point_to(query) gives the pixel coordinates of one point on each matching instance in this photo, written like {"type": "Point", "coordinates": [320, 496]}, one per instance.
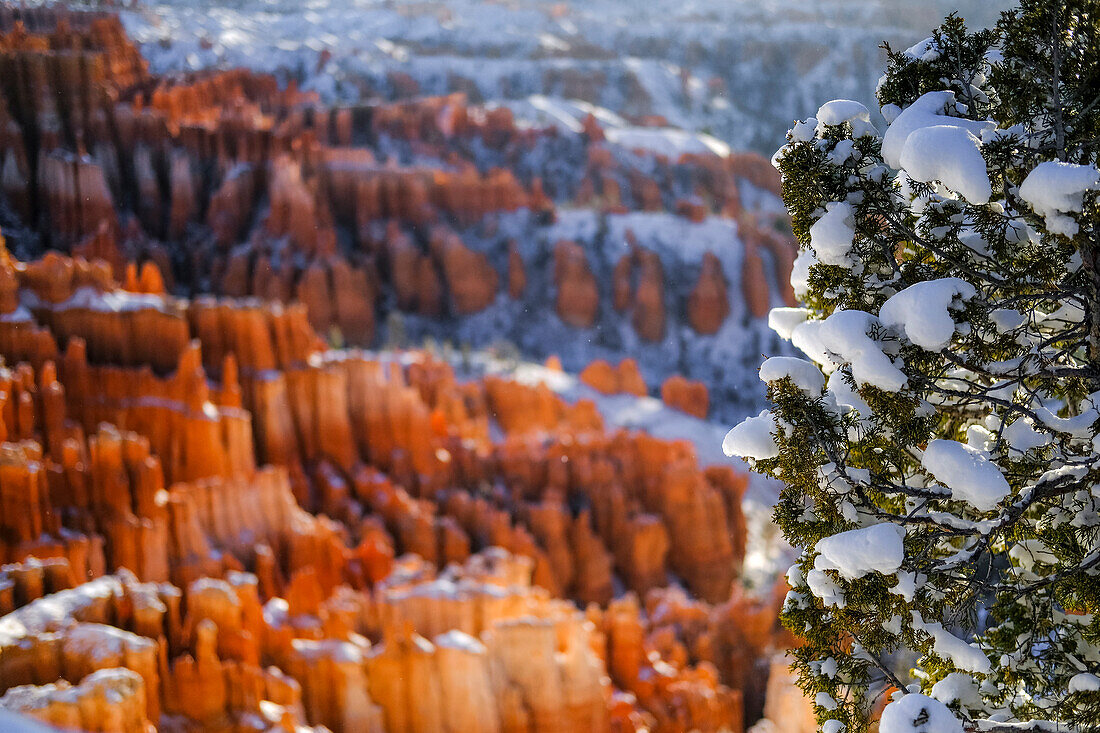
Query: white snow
{"type": "Point", "coordinates": [20, 315]}
{"type": "Point", "coordinates": [12, 723]}
{"type": "Point", "coordinates": [341, 652]}
{"type": "Point", "coordinates": [951, 155]}
{"type": "Point", "coordinates": [802, 373]}
{"type": "Point", "coordinates": [907, 585]}
{"type": "Point", "coordinates": [752, 438]}
{"type": "Point", "coordinates": [1006, 319]}
{"type": "Point", "coordinates": [1054, 188]}
{"type": "Point", "coordinates": [112, 302]}
{"type": "Point", "coordinates": [803, 132]}
{"type": "Point", "coordinates": [930, 145]}
{"type": "Point", "coordinates": [1028, 552]}
{"type": "Point", "coordinates": [857, 552]}
{"type": "Point", "coordinates": [58, 609]}
{"type": "Point", "coordinates": [925, 50]}
{"type": "Point", "coordinates": [667, 141]}
{"type": "Point", "coordinates": [927, 111]}
{"type": "Point", "coordinates": [845, 396]}
{"type": "Point", "coordinates": [1022, 436]}
{"type": "Point", "coordinates": [967, 657]}
{"type": "Point", "coordinates": [971, 476]}
{"type": "Point", "coordinates": [956, 687]}
{"type": "Point", "coordinates": [800, 272]}
{"type": "Point", "coordinates": [455, 639]}
{"type": "Point", "coordinates": [1084, 682]}
{"type": "Point", "coordinates": [922, 312]}
{"type": "Point", "coordinates": [783, 320]}
{"type": "Point", "coordinates": [99, 641]}
{"type": "Point", "coordinates": [844, 335]}
{"type": "Point", "coordinates": [831, 236]}
{"type": "Point", "coordinates": [839, 111]}
{"type": "Point", "coordinates": [916, 713]}
{"type": "Point", "coordinates": [825, 588]}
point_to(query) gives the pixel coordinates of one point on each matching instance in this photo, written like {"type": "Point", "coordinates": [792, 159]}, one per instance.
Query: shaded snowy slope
{"type": "Point", "coordinates": [741, 70]}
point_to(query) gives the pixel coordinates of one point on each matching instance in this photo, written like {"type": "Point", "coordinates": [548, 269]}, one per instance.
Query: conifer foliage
{"type": "Point", "coordinates": [940, 448]}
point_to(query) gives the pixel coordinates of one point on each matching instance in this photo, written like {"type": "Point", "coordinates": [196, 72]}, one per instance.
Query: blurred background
{"type": "Point", "coordinates": [739, 70]}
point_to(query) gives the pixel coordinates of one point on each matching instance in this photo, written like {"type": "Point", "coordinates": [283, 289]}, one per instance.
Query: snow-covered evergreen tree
{"type": "Point", "coordinates": [940, 451]}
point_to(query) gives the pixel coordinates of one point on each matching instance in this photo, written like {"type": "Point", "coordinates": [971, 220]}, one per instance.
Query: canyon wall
{"type": "Point", "coordinates": [390, 221]}
{"type": "Point", "coordinates": [215, 517]}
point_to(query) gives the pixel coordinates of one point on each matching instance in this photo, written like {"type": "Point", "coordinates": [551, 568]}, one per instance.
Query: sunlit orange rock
{"type": "Point", "coordinates": [754, 284]}
{"type": "Point", "coordinates": [578, 298]}
{"type": "Point", "coordinates": [649, 298]}
{"type": "Point", "coordinates": [686, 395]}
{"type": "Point", "coordinates": [470, 277]}
{"type": "Point", "coordinates": [708, 305]}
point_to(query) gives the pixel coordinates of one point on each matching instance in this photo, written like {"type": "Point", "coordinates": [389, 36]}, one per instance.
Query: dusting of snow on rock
{"type": "Point", "coordinates": [58, 609]}
{"type": "Point", "coordinates": [922, 312]}
{"type": "Point", "coordinates": [951, 155]}
{"type": "Point", "coordinates": [971, 476]}
{"type": "Point", "coordinates": [12, 723]}
{"type": "Point", "coordinates": [802, 373]}
{"type": "Point", "coordinates": [1054, 189]}
{"type": "Point", "coordinates": [857, 552]}
{"type": "Point", "coordinates": [727, 67]}
{"type": "Point", "coordinates": [752, 438]}
{"type": "Point", "coordinates": [666, 141]}
{"type": "Point", "coordinates": [831, 236]}
{"type": "Point", "coordinates": [915, 713]}
{"type": "Point", "coordinates": [455, 639]}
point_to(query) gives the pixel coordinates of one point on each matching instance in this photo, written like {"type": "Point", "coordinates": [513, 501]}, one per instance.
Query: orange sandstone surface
{"type": "Point", "coordinates": [246, 526]}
